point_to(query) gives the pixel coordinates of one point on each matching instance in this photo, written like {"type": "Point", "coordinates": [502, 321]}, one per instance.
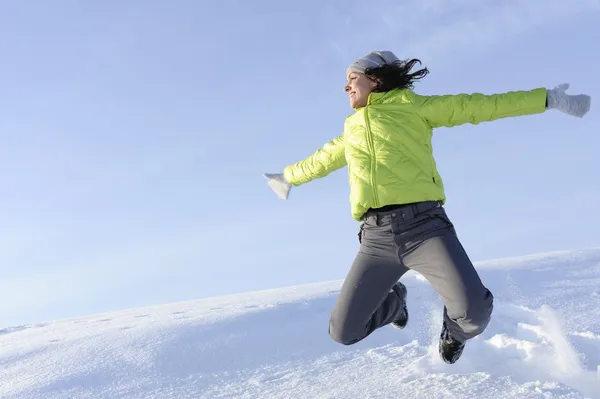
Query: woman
{"type": "Point", "coordinates": [398, 195]}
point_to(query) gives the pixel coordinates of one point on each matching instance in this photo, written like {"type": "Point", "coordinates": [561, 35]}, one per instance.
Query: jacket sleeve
{"type": "Point", "coordinates": [458, 109]}
{"type": "Point", "coordinates": [319, 164]}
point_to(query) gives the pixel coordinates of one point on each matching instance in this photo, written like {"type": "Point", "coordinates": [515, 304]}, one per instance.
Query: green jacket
{"type": "Point", "coordinates": [387, 144]}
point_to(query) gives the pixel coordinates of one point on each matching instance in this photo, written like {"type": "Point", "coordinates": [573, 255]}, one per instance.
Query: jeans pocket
{"type": "Point", "coordinates": [361, 232]}
{"type": "Point", "coordinates": [439, 215]}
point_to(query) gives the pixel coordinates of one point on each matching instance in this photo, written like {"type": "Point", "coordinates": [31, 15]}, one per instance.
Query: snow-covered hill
{"type": "Point", "coordinates": [543, 342]}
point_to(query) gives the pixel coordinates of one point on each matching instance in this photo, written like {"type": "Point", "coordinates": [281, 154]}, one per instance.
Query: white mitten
{"type": "Point", "coordinates": [278, 183]}
{"type": "Point", "coordinates": [575, 105]}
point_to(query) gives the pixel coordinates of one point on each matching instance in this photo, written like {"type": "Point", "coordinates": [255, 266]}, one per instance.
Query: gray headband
{"type": "Point", "coordinates": [372, 60]}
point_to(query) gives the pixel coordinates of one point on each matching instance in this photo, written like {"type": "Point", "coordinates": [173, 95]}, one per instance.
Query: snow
{"type": "Point", "coordinates": [543, 342]}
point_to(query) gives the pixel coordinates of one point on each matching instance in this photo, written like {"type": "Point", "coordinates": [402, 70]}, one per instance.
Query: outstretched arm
{"type": "Point", "coordinates": [453, 110]}
{"type": "Point", "coordinates": [319, 164]}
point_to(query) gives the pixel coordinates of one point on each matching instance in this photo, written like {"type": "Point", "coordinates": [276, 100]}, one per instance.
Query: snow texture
{"type": "Point", "coordinates": [543, 342]}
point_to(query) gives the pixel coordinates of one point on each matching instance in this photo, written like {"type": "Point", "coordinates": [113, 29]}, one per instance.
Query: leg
{"type": "Point", "coordinates": [467, 302]}
{"type": "Point", "coordinates": [366, 301]}
{"type": "Point", "coordinates": [428, 244]}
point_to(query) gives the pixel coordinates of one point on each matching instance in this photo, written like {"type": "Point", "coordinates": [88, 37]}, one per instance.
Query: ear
{"type": "Point", "coordinates": [373, 83]}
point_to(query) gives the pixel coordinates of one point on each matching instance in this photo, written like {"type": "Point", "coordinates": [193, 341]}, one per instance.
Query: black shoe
{"type": "Point", "coordinates": [450, 348]}
{"type": "Point", "coordinates": [401, 291]}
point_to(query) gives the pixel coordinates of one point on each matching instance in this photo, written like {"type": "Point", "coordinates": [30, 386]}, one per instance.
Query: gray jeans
{"type": "Point", "coordinates": [416, 237]}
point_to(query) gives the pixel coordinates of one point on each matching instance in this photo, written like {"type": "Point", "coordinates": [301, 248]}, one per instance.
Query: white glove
{"type": "Point", "coordinates": [577, 105]}
{"type": "Point", "coordinates": [278, 183]}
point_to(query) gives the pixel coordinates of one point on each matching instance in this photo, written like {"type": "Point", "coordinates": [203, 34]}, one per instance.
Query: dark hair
{"type": "Point", "coordinates": [395, 75]}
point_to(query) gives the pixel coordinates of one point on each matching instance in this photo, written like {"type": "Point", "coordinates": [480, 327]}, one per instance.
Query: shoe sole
{"type": "Point", "coordinates": [451, 361]}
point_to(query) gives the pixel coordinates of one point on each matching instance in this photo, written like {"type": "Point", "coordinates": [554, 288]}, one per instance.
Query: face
{"type": "Point", "coordinates": [358, 88]}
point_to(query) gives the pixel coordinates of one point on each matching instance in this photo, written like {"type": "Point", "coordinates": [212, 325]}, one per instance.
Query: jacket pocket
{"type": "Point", "coordinates": [431, 163]}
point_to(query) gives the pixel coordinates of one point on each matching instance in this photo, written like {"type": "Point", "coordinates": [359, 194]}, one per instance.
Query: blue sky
{"type": "Point", "coordinates": [135, 134]}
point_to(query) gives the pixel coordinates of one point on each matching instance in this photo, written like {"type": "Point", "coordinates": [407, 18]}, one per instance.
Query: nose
{"type": "Point", "coordinates": [347, 88]}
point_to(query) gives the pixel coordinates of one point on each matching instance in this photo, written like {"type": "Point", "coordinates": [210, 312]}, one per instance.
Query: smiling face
{"type": "Point", "coordinates": [358, 88]}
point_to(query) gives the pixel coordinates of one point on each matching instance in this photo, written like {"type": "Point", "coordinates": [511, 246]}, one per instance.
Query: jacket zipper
{"type": "Point", "coordinates": [372, 150]}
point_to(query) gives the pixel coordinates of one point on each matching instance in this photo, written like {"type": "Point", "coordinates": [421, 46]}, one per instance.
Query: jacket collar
{"type": "Point", "coordinates": [384, 97]}
{"type": "Point", "coordinates": [391, 96]}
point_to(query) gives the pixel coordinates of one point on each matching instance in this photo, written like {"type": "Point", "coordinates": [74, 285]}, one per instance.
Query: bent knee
{"type": "Point", "coordinates": [340, 333]}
